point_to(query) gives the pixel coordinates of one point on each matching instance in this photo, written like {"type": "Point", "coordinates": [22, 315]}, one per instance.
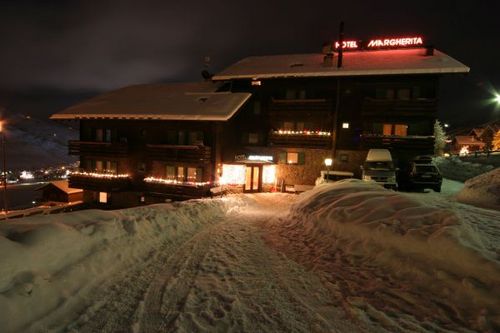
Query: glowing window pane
{"type": "Point", "coordinates": [400, 129]}
{"type": "Point", "coordinates": [269, 174]}
{"type": "Point", "coordinates": [387, 129]}
{"type": "Point", "coordinates": [292, 158]}
{"type": "Point", "coordinates": [103, 197]}
{"type": "Point", "coordinates": [232, 174]}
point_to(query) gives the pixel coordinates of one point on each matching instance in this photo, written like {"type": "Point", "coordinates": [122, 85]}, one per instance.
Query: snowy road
{"type": "Point", "coordinates": [247, 264]}
{"type": "Point", "coordinates": [221, 278]}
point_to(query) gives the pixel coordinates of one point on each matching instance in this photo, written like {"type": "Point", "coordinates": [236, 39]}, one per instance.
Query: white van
{"type": "Point", "coordinates": [379, 167]}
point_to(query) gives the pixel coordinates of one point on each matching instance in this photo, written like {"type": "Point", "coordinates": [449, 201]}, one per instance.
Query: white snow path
{"type": "Point", "coordinates": [221, 278]}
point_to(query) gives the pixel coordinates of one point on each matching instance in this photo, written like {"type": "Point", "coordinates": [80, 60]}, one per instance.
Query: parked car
{"type": "Point", "coordinates": [422, 174]}
{"type": "Point", "coordinates": [379, 167]}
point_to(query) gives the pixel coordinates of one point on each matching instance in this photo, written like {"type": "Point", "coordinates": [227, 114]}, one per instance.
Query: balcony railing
{"type": "Point", "coordinates": [372, 106]}
{"type": "Point", "coordinates": [96, 181]}
{"type": "Point", "coordinates": [97, 148]}
{"type": "Point", "coordinates": [420, 143]}
{"type": "Point", "coordinates": [283, 107]}
{"type": "Point", "coordinates": [177, 190]}
{"type": "Point", "coordinates": [176, 153]}
{"type": "Point", "coordinates": [306, 139]}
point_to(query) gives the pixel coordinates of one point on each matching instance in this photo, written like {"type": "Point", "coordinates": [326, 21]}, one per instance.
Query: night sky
{"type": "Point", "coordinates": [55, 53]}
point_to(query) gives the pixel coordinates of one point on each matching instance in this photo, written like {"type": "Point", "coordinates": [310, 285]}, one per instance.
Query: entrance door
{"type": "Point", "coordinates": [253, 176]}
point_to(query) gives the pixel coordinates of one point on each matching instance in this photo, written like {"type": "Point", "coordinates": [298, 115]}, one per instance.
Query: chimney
{"type": "Point", "coordinates": [341, 41]}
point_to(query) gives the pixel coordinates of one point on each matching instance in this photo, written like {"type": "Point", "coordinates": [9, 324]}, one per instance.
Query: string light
{"type": "Point", "coordinates": [103, 175]}
{"type": "Point", "coordinates": [289, 132]}
{"type": "Point", "coordinates": [164, 181]}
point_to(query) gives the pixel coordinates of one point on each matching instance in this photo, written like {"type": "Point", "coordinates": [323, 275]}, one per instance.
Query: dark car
{"type": "Point", "coordinates": [422, 176]}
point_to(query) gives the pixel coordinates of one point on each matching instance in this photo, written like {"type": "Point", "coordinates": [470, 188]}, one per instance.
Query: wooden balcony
{"type": "Point", "coordinates": [314, 107]}
{"type": "Point", "coordinates": [99, 183]}
{"type": "Point", "coordinates": [177, 192]}
{"type": "Point", "coordinates": [419, 107]}
{"type": "Point", "coordinates": [176, 153]}
{"type": "Point", "coordinates": [300, 140]}
{"type": "Point", "coordinates": [114, 149]}
{"type": "Point", "coordinates": [425, 144]}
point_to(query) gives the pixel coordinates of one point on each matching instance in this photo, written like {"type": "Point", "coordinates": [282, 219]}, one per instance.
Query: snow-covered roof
{"type": "Point", "coordinates": [468, 140]}
{"type": "Point", "coordinates": [387, 62]}
{"type": "Point", "coordinates": [176, 101]}
{"type": "Point", "coordinates": [63, 185]}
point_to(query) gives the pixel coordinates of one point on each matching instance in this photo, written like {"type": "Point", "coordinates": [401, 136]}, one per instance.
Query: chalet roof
{"type": "Point", "coordinates": [62, 185]}
{"type": "Point", "coordinates": [176, 101]}
{"type": "Point", "coordinates": [386, 62]}
{"type": "Point", "coordinates": [468, 140]}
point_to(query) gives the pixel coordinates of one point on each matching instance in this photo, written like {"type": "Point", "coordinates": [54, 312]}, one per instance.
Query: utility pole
{"type": "Point", "coordinates": [2, 130]}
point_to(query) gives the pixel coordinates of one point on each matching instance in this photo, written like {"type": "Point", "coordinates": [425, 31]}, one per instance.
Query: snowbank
{"type": "Point", "coordinates": [431, 248]}
{"type": "Point", "coordinates": [50, 264]}
{"type": "Point", "coordinates": [456, 169]}
{"type": "Point", "coordinates": [483, 190]}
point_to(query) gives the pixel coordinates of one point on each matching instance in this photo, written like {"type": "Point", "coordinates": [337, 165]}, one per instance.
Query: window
{"type": "Point", "coordinates": [256, 107]}
{"type": "Point", "coordinates": [99, 134]}
{"type": "Point", "coordinates": [416, 92]}
{"type": "Point", "coordinates": [170, 172]}
{"type": "Point", "coordinates": [111, 167]}
{"type": "Point", "coordinates": [400, 129]}
{"type": "Point", "coordinates": [300, 126]}
{"type": "Point", "coordinates": [141, 167]}
{"type": "Point", "coordinates": [103, 197]}
{"type": "Point", "coordinates": [345, 125]}
{"type": "Point", "coordinates": [172, 137]}
{"type": "Point", "coordinates": [387, 129]}
{"type": "Point", "coordinates": [180, 174]}
{"type": "Point", "coordinates": [98, 165]}
{"type": "Point", "coordinates": [194, 174]}
{"type": "Point", "coordinates": [288, 126]}
{"type": "Point", "coordinates": [404, 94]}
{"type": "Point", "coordinates": [291, 158]}
{"type": "Point", "coordinates": [290, 94]}
{"type": "Point", "coordinates": [390, 94]}
{"type": "Point", "coordinates": [196, 138]}
{"type": "Point", "coordinates": [253, 138]}
{"type": "Point", "coordinates": [107, 135]}
{"type": "Point", "coordinates": [302, 94]}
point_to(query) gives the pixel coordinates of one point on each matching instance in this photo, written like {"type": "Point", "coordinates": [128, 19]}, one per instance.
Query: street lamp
{"type": "Point", "coordinates": [4, 178]}
{"type": "Point", "coordinates": [328, 163]}
{"type": "Point", "coordinates": [497, 98]}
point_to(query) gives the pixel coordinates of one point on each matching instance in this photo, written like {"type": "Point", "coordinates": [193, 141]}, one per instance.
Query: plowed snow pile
{"type": "Point", "coordinates": [384, 253]}
{"type": "Point", "coordinates": [483, 190]}
{"type": "Point", "coordinates": [50, 264]}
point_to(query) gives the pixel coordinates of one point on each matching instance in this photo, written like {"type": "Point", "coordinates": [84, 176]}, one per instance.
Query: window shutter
{"type": "Point", "coordinates": [282, 157]}
{"type": "Point", "coordinates": [302, 158]}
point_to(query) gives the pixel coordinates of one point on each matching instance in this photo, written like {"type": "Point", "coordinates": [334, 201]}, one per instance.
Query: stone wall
{"type": "Point", "coordinates": [305, 174]}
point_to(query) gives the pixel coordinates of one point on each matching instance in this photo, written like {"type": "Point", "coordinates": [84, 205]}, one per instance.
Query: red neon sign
{"type": "Point", "coordinates": [347, 44]}
{"type": "Point", "coordinates": [395, 42]}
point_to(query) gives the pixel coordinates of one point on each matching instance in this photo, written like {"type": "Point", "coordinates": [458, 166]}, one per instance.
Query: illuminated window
{"type": "Point", "coordinates": [292, 158]}
{"type": "Point", "coordinates": [345, 125]}
{"type": "Point", "coordinates": [111, 167]}
{"type": "Point", "coordinates": [103, 197]}
{"type": "Point", "coordinates": [180, 174]}
{"type": "Point", "coordinates": [98, 166]}
{"type": "Point", "coordinates": [288, 126]}
{"type": "Point", "coordinates": [387, 129]}
{"type": "Point", "coordinates": [401, 129]}
{"type": "Point", "coordinates": [194, 174]}
{"type": "Point", "coordinates": [170, 172]}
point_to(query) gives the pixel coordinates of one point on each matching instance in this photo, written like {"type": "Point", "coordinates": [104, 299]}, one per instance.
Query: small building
{"type": "Point", "coordinates": [59, 191]}
{"type": "Point", "coordinates": [468, 142]}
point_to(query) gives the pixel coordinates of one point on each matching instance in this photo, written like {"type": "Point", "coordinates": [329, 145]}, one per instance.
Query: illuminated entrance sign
{"type": "Point", "coordinates": [381, 43]}
{"type": "Point", "coordinates": [395, 42]}
{"type": "Point", "coordinates": [260, 158]}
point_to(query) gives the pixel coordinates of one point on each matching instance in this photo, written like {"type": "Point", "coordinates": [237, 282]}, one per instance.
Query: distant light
{"type": "Point", "coordinates": [328, 162]}
{"type": "Point", "coordinates": [33, 202]}
{"type": "Point", "coordinates": [497, 98]}
{"type": "Point", "coordinates": [345, 125]}
{"type": "Point", "coordinates": [446, 125]}
{"type": "Point", "coordinates": [256, 83]}
{"type": "Point", "coordinates": [26, 175]}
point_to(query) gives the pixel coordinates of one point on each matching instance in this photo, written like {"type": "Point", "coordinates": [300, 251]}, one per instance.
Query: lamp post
{"type": "Point", "coordinates": [328, 163]}
{"type": "Point", "coordinates": [4, 178]}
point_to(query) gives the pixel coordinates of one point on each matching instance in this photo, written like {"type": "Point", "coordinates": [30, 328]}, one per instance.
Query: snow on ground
{"type": "Point", "coordinates": [395, 260]}
{"type": "Point", "coordinates": [456, 169]}
{"type": "Point", "coordinates": [482, 191]}
{"type": "Point", "coordinates": [344, 257]}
